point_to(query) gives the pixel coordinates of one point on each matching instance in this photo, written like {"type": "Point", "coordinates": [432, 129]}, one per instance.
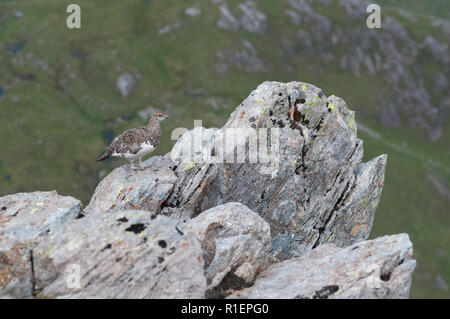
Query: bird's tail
{"type": "Point", "coordinates": [103, 157]}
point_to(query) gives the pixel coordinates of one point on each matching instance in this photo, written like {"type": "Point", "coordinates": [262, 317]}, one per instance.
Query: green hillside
{"type": "Point", "coordinates": [59, 105]}
{"type": "Point", "coordinates": [438, 8]}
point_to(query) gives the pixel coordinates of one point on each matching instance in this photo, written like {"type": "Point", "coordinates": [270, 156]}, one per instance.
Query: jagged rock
{"type": "Point", "coordinates": [125, 188]}
{"type": "Point", "coordinates": [25, 216]}
{"type": "Point", "coordinates": [440, 185]}
{"type": "Point", "coordinates": [380, 268]}
{"type": "Point", "coordinates": [192, 12]}
{"type": "Point", "coordinates": [125, 84]}
{"type": "Point", "coordinates": [206, 219]}
{"type": "Point", "coordinates": [440, 283]}
{"type": "Point", "coordinates": [169, 28]}
{"type": "Point", "coordinates": [25, 220]}
{"type": "Point", "coordinates": [121, 254]}
{"type": "Point", "coordinates": [313, 174]}
{"type": "Point", "coordinates": [359, 207]}
{"type": "Point", "coordinates": [227, 20]}
{"type": "Point", "coordinates": [393, 55]}
{"type": "Point", "coordinates": [252, 20]}
{"type": "Point", "coordinates": [235, 243]}
{"type": "Point", "coordinates": [437, 50]}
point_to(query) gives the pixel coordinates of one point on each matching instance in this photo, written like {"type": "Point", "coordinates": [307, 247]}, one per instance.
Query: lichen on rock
{"type": "Point", "coordinates": [279, 191]}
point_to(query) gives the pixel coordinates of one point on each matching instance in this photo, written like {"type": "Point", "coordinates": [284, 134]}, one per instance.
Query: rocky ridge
{"type": "Point", "coordinates": [201, 222]}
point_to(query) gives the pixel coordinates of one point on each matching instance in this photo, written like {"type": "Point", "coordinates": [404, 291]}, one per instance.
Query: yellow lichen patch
{"type": "Point", "coordinates": [332, 107]}
{"type": "Point", "coordinates": [331, 238]}
{"type": "Point", "coordinates": [351, 121]}
{"type": "Point", "coordinates": [34, 210]}
{"type": "Point", "coordinates": [120, 189]}
{"type": "Point", "coordinates": [49, 251]}
{"type": "Point", "coordinates": [40, 204]}
{"type": "Point", "coordinates": [294, 163]}
{"type": "Point", "coordinates": [315, 101]}
{"type": "Point", "coordinates": [365, 201]}
{"type": "Point", "coordinates": [189, 166]}
{"type": "Point", "coordinates": [357, 228]}
{"type": "Point", "coordinates": [304, 87]}
{"type": "Point", "coordinates": [374, 203]}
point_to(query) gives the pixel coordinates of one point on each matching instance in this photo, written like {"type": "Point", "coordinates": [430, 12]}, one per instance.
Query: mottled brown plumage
{"type": "Point", "coordinates": [137, 142]}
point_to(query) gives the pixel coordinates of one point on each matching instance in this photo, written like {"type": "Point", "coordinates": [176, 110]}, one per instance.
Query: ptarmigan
{"type": "Point", "coordinates": [137, 142]}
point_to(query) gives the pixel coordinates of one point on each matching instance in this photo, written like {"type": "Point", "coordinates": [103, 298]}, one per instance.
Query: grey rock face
{"type": "Point", "coordinates": [235, 243]}
{"type": "Point", "coordinates": [207, 219]}
{"type": "Point", "coordinates": [125, 188]}
{"type": "Point", "coordinates": [227, 20]}
{"type": "Point", "coordinates": [26, 216]}
{"type": "Point", "coordinates": [168, 28]}
{"type": "Point", "coordinates": [192, 12]}
{"type": "Point", "coordinates": [251, 19]}
{"type": "Point", "coordinates": [314, 174]}
{"type": "Point", "coordinates": [25, 220]}
{"type": "Point", "coordinates": [380, 268]}
{"type": "Point", "coordinates": [125, 84]}
{"type": "Point", "coordinates": [393, 55]}
{"type": "Point", "coordinates": [358, 208]}
{"type": "Point", "coordinates": [121, 254]}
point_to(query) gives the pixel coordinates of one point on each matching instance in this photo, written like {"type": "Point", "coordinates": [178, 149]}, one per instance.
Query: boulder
{"type": "Point", "coordinates": [235, 243]}
{"type": "Point", "coordinates": [121, 254]}
{"type": "Point", "coordinates": [309, 177]}
{"type": "Point", "coordinates": [380, 268]}
{"type": "Point", "coordinates": [125, 84]}
{"type": "Point", "coordinates": [125, 188]}
{"type": "Point", "coordinates": [252, 20]}
{"type": "Point", "coordinates": [275, 204]}
{"type": "Point", "coordinates": [25, 220]}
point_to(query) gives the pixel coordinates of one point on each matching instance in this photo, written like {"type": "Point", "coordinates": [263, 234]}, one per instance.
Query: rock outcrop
{"type": "Point", "coordinates": [121, 254]}
{"type": "Point", "coordinates": [129, 189]}
{"type": "Point", "coordinates": [26, 219]}
{"type": "Point", "coordinates": [313, 176]}
{"type": "Point", "coordinates": [279, 190]}
{"type": "Point", "coordinates": [235, 242]}
{"type": "Point", "coordinates": [395, 55]}
{"type": "Point", "coordinates": [378, 268]}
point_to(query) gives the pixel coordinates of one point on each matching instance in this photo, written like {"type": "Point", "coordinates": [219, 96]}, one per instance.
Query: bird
{"type": "Point", "coordinates": [136, 143]}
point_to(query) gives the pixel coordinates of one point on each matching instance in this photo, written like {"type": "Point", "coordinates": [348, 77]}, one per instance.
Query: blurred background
{"type": "Point", "coordinates": [65, 93]}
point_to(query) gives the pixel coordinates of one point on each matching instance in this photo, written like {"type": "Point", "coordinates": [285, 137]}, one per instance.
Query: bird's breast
{"type": "Point", "coordinates": [143, 149]}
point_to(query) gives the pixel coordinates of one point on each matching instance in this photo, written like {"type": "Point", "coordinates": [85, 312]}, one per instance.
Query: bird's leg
{"type": "Point", "coordinates": [133, 167]}
{"type": "Point", "coordinates": [141, 165]}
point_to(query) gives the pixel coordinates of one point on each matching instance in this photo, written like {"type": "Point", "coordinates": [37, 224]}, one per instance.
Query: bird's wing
{"type": "Point", "coordinates": [130, 141]}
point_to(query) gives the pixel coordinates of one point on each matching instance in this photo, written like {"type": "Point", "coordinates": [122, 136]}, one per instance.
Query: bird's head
{"type": "Point", "coordinates": [158, 116]}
